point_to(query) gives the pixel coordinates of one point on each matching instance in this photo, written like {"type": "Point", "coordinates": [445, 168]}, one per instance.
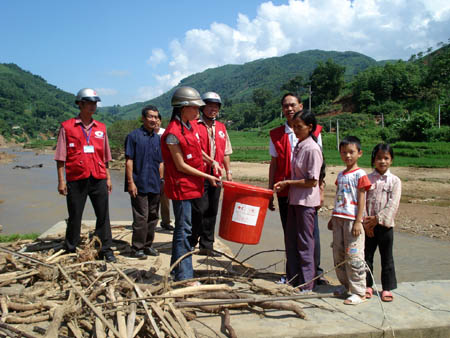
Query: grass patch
{"type": "Point", "coordinates": [40, 144]}
{"type": "Point", "coordinates": [253, 146]}
{"type": "Point", "coordinates": [249, 146]}
{"type": "Point", "coordinates": [17, 237]}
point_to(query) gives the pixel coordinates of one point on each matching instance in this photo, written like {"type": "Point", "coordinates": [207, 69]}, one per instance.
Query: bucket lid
{"type": "Point", "coordinates": [247, 187]}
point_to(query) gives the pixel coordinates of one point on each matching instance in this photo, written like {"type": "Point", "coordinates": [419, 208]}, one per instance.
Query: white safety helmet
{"type": "Point", "coordinates": [87, 94]}
{"type": "Point", "coordinates": [212, 97]}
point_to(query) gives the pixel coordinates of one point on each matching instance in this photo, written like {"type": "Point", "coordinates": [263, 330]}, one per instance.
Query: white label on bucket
{"type": "Point", "coordinates": [245, 214]}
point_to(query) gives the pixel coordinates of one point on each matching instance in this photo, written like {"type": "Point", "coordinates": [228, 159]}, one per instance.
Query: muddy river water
{"type": "Point", "coordinates": [31, 202]}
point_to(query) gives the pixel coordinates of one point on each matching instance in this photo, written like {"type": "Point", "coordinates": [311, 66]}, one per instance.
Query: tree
{"type": "Point", "coordinates": [261, 96]}
{"type": "Point", "coordinates": [439, 69]}
{"type": "Point", "coordinates": [327, 81]}
{"type": "Point", "coordinates": [294, 85]}
{"type": "Point", "coordinates": [399, 81]}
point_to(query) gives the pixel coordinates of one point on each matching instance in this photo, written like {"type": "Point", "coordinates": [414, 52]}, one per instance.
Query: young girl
{"type": "Point", "coordinates": [382, 202]}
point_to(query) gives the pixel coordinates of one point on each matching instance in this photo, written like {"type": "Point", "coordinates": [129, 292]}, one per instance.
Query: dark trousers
{"type": "Point", "coordinates": [204, 214]}
{"type": "Point", "coordinates": [145, 209]}
{"type": "Point", "coordinates": [384, 240]}
{"type": "Point", "coordinates": [299, 242]}
{"type": "Point", "coordinates": [283, 205]}
{"type": "Point", "coordinates": [319, 270]}
{"type": "Point", "coordinates": [77, 193]}
{"type": "Point", "coordinates": [165, 208]}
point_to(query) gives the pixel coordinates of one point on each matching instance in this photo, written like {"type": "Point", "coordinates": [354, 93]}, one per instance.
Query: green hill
{"type": "Point", "coordinates": [30, 106]}
{"type": "Point", "coordinates": [236, 83]}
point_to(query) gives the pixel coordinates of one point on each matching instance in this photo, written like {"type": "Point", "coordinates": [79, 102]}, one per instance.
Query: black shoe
{"type": "Point", "coordinates": [167, 227]}
{"type": "Point", "coordinates": [151, 252]}
{"type": "Point", "coordinates": [67, 252]}
{"type": "Point", "coordinates": [140, 254]}
{"type": "Point", "coordinates": [322, 281]}
{"type": "Point", "coordinates": [208, 252]}
{"type": "Point", "coordinates": [108, 256]}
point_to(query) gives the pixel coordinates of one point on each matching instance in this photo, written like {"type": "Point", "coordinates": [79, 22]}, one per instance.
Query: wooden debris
{"type": "Point", "coordinates": [15, 330]}
{"type": "Point", "coordinates": [227, 323]}
{"type": "Point", "coordinates": [74, 295]}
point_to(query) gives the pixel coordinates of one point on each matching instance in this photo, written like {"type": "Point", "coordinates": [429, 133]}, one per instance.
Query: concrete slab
{"type": "Point", "coordinates": [420, 309]}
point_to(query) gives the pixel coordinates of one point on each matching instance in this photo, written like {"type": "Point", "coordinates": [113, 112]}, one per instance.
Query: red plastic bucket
{"type": "Point", "coordinates": [244, 209]}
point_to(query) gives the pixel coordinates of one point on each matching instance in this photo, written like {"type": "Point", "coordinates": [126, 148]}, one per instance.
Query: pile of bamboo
{"type": "Point", "coordinates": [53, 294]}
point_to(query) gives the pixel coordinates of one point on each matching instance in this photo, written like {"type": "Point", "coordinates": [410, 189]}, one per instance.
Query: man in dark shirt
{"type": "Point", "coordinates": [143, 181]}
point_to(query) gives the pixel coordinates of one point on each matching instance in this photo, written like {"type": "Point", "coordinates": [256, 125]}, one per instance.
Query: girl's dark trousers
{"type": "Point", "coordinates": [384, 240]}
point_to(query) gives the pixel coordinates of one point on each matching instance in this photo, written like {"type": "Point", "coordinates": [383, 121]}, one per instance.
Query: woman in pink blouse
{"type": "Point", "coordinates": [382, 201]}
{"type": "Point", "coordinates": [304, 197]}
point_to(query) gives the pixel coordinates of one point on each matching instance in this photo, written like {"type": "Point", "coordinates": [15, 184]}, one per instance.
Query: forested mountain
{"type": "Point", "coordinates": [236, 83]}
{"type": "Point", "coordinates": [30, 106]}
{"type": "Point", "coordinates": [406, 94]}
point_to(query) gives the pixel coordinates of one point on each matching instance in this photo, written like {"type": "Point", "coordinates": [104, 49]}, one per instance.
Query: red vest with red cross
{"type": "Point", "coordinates": [220, 139]}
{"type": "Point", "coordinates": [79, 163]}
{"type": "Point", "coordinates": [282, 146]}
{"type": "Point", "coordinates": [177, 185]}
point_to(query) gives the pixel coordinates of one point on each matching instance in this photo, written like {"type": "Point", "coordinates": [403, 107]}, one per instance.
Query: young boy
{"type": "Point", "coordinates": [346, 222]}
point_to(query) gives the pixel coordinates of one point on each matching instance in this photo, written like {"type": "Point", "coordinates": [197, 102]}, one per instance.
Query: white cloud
{"type": "Point", "coordinates": [118, 73]}
{"type": "Point", "coordinates": [382, 29]}
{"type": "Point", "coordinates": [157, 57]}
{"type": "Point", "coordinates": [148, 92]}
{"type": "Point", "coordinates": [106, 91]}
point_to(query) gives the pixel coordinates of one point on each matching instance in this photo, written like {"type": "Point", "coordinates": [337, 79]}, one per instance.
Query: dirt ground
{"type": "Point", "coordinates": [4, 156]}
{"type": "Point", "coordinates": [425, 203]}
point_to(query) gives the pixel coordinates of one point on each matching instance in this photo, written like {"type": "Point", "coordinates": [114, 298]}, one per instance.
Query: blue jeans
{"type": "Point", "coordinates": [181, 239]}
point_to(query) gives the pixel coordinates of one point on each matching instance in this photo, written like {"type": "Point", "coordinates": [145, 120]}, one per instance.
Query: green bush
{"type": "Point", "coordinates": [326, 108]}
{"type": "Point", "coordinates": [415, 129]}
{"type": "Point", "coordinates": [386, 108]}
{"type": "Point", "coordinates": [436, 134]}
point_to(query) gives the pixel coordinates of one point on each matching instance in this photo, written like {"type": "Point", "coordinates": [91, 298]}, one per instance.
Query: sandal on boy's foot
{"type": "Point", "coordinates": [369, 293]}
{"type": "Point", "coordinates": [193, 283]}
{"type": "Point", "coordinates": [340, 292]}
{"type": "Point", "coordinates": [386, 296]}
{"type": "Point", "coordinates": [354, 300]}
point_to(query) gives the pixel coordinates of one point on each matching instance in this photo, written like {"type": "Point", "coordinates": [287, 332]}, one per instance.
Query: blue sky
{"type": "Point", "coordinates": [135, 50]}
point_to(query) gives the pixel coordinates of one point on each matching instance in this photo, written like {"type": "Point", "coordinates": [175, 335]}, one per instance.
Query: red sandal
{"type": "Point", "coordinates": [386, 296]}
{"type": "Point", "coordinates": [369, 293]}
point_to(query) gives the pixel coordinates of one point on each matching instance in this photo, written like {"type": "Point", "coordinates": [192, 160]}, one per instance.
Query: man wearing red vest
{"type": "Point", "coordinates": [83, 153]}
{"type": "Point", "coordinates": [281, 146]}
{"type": "Point", "coordinates": [216, 144]}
